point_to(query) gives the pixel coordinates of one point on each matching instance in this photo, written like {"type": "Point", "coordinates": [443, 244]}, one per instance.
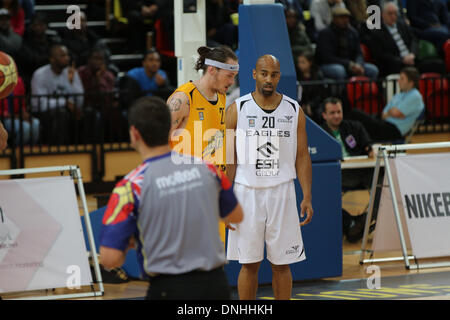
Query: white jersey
{"type": "Point", "coordinates": [266, 142]}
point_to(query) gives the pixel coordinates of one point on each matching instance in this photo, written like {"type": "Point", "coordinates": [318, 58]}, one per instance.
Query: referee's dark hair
{"type": "Point", "coordinates": [151, 117]}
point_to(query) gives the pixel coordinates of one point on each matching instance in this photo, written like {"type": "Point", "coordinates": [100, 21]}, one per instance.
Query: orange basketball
{"type": "Point", "coordinates": [8, 75]}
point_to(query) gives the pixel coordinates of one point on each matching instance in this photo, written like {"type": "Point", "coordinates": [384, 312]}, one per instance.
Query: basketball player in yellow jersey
{"type": "Point", "coordinates": [198, 108]}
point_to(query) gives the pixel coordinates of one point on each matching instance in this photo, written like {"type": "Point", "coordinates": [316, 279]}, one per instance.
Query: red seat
{"type": "Point", "coordinates": [435, 92]}
{"type": "Point", "coordinates": [162, 40]}
{"type": "Point", "coordinates": [363, 94]}
{"type": "Point", "coordinates": [437, 105]}
{"type": "Point", "coordinates": [447, 55]}
{"type": "Point", "coordinates": [366, 53]}
{"type": "Point", "coordinates": [430, 82]}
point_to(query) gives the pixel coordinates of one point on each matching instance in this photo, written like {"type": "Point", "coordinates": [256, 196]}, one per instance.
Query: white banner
{"type": "Point", "coordinates": [41, 237]}
{"type": "Point", "coordinates": [424, 182]}
{"type": "Point", "coordinates": [386, 236]}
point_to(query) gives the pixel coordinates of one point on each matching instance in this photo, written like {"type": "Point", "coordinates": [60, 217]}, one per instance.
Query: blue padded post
{"type": "Point", "coordinates": [262, 30]}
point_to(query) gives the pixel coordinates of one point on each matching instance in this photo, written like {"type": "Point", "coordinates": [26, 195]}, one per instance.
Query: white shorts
{"type": "Point", "coordinates": [270, 217]}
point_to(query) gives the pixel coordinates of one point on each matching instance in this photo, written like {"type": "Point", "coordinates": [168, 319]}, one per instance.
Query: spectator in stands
{"type": "Point", "coordinates": [310, 96]}
{"type": "Point", "coordinates": [293, 5]}
{"type": "Point", "coordinates": [354, 141]}
{"type": "Point", "coordinates": [352, 136]}
{"type": "Point", "coordinates": [358, 18]}
{"type": "Point", "coordinates": [358, 10]}
{"type": "Point", "coordinates": [394, 46]}
{"type": "Point", "coordinates": [37, 42]}
{"type": "Point", "coordinates": [98, 81]}
{"type": "Point", "coordinates": [10, 42]}
{"type": "Point", "coordinates": [400, 114]}
{"type": "Point", "coordinates": [219, 28]}
{"type": "Point", "coordinates": [402, 11]}
{"type": "Point", "coordinates": [431, 21]}
{"type": "Point", "coordinates": [151, 79]}
{"type": "Point", "coordinates": [339, 49]}
{"type": "Point", "coordinates": [23, 121]}
{"type": "Point", "coordinates": [298, 38]}
{"type": "Point", "coordinates": [80, 41]}
{"type": "Point", "coordinates": [17, 15]}
{"type": "Point", "coordinates": [141, 15]}
{"type": "Point", "coordinates": [101, 110]}
{"type": "Point", "coordinates": [321, 12]}
{"type": "Point", "coordinates": [60, 95]}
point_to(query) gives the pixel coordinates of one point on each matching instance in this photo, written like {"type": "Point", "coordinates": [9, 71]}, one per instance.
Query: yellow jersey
{"type": "Point", "coordinates": [204, 133]}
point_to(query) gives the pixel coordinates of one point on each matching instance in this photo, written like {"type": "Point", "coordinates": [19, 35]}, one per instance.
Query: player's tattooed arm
{"type": "Point", "coordinates": [178, 105]}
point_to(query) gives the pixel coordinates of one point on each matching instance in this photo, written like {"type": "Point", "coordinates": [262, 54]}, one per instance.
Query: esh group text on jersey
{"type": "Point", "coordinates": [238, 309]}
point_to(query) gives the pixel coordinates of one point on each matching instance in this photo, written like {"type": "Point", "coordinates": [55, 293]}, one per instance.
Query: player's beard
{"type": "Point", "coordinates": [267, 92]}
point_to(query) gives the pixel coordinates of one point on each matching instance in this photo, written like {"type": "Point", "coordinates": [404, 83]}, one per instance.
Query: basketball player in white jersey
{"type": "Point", "coordinates": [270, 151]}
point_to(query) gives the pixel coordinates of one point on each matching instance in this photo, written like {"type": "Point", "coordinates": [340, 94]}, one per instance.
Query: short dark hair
{"type": "Point", "coordinates": [332, 100]}
{"type": "Point", "coordinates": [39, 16]}
{"type": "Point", "coordinates": [149, 51]}
{"type": "Point", "coordinates": [308, 54]}
{"type": "Point", "coordinates": [220, 54]}
{"type": "Point", "coordinates": [97, 49]}
{"type": "Point", "coordinates": [54, 47]}
{"type": "Point", "coordinates": [412, 74]}
{"type": "Point", "coordinates": [151, 117]}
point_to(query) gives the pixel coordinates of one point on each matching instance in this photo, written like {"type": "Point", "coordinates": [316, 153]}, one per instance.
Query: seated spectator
{"type": "Point", "coordinates": [402, 11]}
{"type": "Point", "coordinates": [36, 44]}
{"type": "Point", "coordinates": [10, 42]}
{"type": "Point", "coordinates": [339, 49]}
{"type": "Point", "coordinates": [96, 79]}
{"type": "Point", "coordinates": [80, 41]}
{"type": "Point", "coordinates": [141, 15]}
{"type": "Point", "coordinates": [100, 106]}
{"type": "Point", "coordinates": [400, 114]}
{"type": "Point", "coordinates": [17, 15]}
{"type": "Point", "coordinates": [430, 20]}
{"type": "Point", "coordinates": [297, 36]}
{"type": "Point", "coordinates": [293, 5]}
{"type": "Point", "coordinates": [23, 121]}
{"type": "Point", "coordinates": [354, 141]}
{"type": "Point", "coordinates": [321, 12]}
{"type": "Point", "coordinates": [394, 46]}
{"type": "Point", "coordinates": [219, 28]}
{"type": "Point", "coordinates": [358, 10]}
{"type": "Point", "coordinates": [152, 80]}
{"type": "Point", "coordinates": [311, 95]}
{"type": "Point", "coordinates": [59, 92]}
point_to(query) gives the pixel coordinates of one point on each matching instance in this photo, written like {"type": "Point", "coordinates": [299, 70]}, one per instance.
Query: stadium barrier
{"type": "Point", "coordinates": [92, 127]}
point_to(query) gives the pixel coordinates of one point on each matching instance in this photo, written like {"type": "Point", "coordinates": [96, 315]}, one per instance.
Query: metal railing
{"type": "Point", "coordinates": [372, 96]}
{"type": "Point", "coordinates": [96, 122]}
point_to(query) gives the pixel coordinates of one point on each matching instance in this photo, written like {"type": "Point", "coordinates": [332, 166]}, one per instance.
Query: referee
{"type": "Point", "coordinates": [169, 210]}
